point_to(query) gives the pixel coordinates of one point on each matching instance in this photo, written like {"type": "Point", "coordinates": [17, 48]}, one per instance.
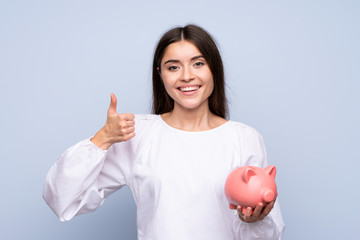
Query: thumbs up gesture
{"type": "Point", "coordinates": [118, 127]}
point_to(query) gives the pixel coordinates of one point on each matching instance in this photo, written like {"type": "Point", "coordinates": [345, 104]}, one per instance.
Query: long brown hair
{"type": "Point", "coordinates": [162, 102]}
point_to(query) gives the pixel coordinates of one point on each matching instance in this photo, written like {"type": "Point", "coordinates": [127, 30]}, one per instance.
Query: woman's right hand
{"type": "Point", "coordinates": [119, 127]}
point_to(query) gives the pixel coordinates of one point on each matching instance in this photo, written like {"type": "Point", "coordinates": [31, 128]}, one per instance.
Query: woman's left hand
{"type": "Point", "coordinates": [259, 213]}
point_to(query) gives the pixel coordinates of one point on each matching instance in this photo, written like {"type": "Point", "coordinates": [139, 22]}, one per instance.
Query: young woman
{"type": "Point", "coordinates": [177, 163]}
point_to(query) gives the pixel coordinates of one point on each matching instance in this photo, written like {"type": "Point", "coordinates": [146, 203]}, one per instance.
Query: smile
{"type": "Point", "coordinates": [189, 89]}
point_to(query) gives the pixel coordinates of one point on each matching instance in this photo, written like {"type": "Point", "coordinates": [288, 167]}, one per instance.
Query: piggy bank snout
{"type": "Point", "coordinates": [268, 195]}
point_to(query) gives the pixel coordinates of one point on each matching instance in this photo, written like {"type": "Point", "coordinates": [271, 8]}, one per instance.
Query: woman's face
{"type": "Point", "coordinates": [186, 76]}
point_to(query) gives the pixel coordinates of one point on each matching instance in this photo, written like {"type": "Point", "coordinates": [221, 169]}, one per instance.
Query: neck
{"type": "Point", "coordinates": [193, 120]}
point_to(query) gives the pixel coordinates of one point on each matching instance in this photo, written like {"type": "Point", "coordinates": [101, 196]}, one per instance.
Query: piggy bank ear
{"type": "Point", "coordinates": [270, 170]}
{"type": "Point", "coordinates": [248, 173]}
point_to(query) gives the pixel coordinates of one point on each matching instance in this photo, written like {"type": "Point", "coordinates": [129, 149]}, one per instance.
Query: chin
{"type": "Point", "coordinates": [191, 106]}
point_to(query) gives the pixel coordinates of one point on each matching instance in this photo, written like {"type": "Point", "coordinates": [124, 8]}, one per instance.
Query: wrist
{"type": "Point", "coordinates": [100, 140]}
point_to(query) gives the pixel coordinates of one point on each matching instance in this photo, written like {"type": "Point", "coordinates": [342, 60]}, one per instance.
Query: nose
{"type": "Point", "coordinates": [187, 74]}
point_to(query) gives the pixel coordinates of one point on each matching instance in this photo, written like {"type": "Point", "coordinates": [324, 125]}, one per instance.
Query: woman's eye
{"type": "Point", "coordinates": [198, 64]}
{"type": "Point", "coordinates": [171, 68]}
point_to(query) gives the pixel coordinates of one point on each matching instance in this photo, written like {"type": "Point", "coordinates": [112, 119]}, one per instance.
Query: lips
{"type": "Point", "coordinates": [189, 88]}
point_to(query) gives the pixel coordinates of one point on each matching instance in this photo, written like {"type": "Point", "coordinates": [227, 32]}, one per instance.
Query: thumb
{"type": "Point", "coordinates": [113, 103]}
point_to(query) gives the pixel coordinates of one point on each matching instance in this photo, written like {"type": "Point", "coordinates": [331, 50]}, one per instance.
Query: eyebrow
{"type": "Point", "coordinates": [177, 61]}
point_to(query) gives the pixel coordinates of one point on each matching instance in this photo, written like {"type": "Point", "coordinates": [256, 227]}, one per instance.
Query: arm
{"type": "Point", "coordinates": [89, 171]}
{"type": "Point", "coordinates": [265, 222]}
{"type": "Point", "coordinates": [71, 186]}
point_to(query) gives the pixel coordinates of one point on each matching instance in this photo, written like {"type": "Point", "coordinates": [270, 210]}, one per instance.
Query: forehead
{"type": "Point", "coordinates": [182, 51]}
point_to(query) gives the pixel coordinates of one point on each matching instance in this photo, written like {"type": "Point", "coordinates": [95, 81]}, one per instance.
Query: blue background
{"type": "Point", "coordinates": [292, 70]}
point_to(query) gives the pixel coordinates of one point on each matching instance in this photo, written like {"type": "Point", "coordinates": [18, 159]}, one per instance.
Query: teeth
{"type": "Point", "coordinates": [188, 89]}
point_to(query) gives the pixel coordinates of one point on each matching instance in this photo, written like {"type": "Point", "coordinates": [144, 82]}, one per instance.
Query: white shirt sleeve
{"type": "Point", "coordinates": [272, 226]}
{"type": "Point", "coordinates": [83, 176]}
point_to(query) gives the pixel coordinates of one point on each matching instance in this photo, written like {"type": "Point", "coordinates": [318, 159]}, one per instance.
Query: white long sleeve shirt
{"type": "Point", "coordinates": [177, 179]}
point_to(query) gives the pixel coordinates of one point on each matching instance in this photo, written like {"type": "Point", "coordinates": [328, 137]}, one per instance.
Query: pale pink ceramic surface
{"type": "Point", "coordinates": [247, 186]}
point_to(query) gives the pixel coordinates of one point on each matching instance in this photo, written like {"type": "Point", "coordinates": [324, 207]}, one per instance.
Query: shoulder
{"type": "Point", "coordinates": [146, 120]}
{"type": "Point", "coordinates": [147, 126]}
{"type": "Point", "coordinates": [242, 135]}
{"type": "Point", "coordinates": [250, 143]}
{"type": "Point", "coordinates": [146, 117]}
{"type": "Point", "coordinates": [242, 130]}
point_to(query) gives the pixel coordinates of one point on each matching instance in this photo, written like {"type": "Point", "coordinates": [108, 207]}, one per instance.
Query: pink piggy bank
{"type": "Point", "coordinates": [247, 186]}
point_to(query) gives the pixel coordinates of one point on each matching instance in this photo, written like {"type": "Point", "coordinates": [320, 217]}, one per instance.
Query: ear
{"type": "Point", "coordinates": [158, 70]}
{"type": "Point", "coordinates": [248, 173]}
{"type": "Point", "coordinates": [270, 170]}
